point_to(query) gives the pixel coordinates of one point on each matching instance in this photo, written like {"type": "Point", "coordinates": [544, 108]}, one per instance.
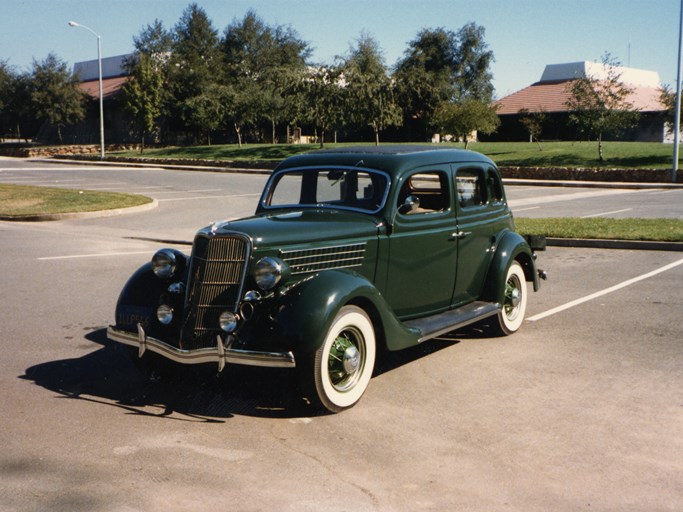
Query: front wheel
{"type": "Point", "coordinates": [343, 364]}
{"type": "Point", "coordinates": [511, 315]}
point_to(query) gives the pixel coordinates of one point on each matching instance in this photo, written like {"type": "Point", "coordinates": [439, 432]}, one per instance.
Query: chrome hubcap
{"type": "Point", "coordinates": [346, 360]}
{"type": "Point", "coordinates": [351, 360]}
{"type": "Point", "coordinates": [515, 297]}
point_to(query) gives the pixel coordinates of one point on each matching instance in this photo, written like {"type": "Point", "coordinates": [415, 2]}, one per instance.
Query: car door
{"type": "Point", "coordinates": [482, 215]}
{"type": "Point", "coordinates": [422, 249]}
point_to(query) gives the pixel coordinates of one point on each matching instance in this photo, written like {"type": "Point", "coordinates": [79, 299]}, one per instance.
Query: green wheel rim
{"type": "Point", "coordinates": [347, 356]}
{"type": "Point", "coordinates": [513, 295]}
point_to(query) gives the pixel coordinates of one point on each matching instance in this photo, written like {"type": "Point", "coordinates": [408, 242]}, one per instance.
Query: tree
{"type": "Point", "coordinates": [206, 111]}
{"type": "Point", "coordinates": [267, 62]}
{"type": "Point", "coordinates": [143, 95]}
{"type": "Point", "coordinates": [369, 88]}
{"type": "Point", "coordinates": [149, 97]}
{"type": "Point", "coordinates": [154, 40]}
{"type": "Point", "coordinates": [195, 61]}
{"type": "Point", "coordinates": [55, 94]}
{"type": "Point", "coordinates": [465, 117]}
{"type": "Point", "coordinates": [9, 79]}
{"type": "Point", "coordinates": [600, 104]}
{"type": "Point", "coordinates": [320, 96]}
{"type": "Point", "coordinates": [442, 66]}
{"type": "Point", "coordinates": [533, 123]}
{"type": "Point", "coordinates": [667, 97]}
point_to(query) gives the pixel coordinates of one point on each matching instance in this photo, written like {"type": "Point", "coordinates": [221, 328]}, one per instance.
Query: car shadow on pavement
{"type": "Point", "coordinates": [391, 360]}
{"type": "Point", "coordinates": [196, 393]}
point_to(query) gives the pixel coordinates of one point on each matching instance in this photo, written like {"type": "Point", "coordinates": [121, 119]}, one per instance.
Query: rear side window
{"type": "Point", "coordinates": [471, 187]}
{"type": "Point", "coordinates": [495, 187]}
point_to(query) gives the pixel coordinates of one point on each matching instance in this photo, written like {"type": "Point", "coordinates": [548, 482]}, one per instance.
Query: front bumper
{"type": "Point", "coordinates": [220, 354]}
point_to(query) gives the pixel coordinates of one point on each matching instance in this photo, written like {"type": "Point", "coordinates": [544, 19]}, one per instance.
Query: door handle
{"type": "Point", "coordinates": [459, 235]}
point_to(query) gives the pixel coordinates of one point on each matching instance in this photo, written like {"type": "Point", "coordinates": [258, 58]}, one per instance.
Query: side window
{"type": "Point", "coordinates": [471, 187]}
{"type": "Point", "coordinates": [427, 192]}
{"type": "Point", "coordinates": [495, 187]}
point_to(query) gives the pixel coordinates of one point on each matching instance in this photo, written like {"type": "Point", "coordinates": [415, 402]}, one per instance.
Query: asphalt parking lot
{"type": "Point", "coordinates": [580, 410]}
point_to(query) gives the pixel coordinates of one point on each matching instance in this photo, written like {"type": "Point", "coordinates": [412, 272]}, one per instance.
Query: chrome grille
{"type": "Point", "coordinates": [215, 285]}
{"type": "Point", "coordinates": [324, 258]}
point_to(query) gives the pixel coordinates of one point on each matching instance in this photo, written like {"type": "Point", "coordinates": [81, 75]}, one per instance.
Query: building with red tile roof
{"type": "Point", "coordinates": [550, 95]}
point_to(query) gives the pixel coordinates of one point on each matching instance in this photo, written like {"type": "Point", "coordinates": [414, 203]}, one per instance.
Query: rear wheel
{"type": "Point", "coordinates": [511, 316]}
{"type": "Point", "coordinates": [343, 365]}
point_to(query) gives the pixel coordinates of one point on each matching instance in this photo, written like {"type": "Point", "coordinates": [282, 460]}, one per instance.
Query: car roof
{"type": "Point", "coordinates": [389, 158]}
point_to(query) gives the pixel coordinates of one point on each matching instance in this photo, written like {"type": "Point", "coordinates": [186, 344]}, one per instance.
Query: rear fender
{"type": "Point", "coordinates": [512, 246]}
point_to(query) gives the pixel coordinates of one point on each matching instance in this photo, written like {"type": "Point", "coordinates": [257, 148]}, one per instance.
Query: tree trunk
{"type": "Point", "coordinates": [467, 142]}
{"type": "Point", "coordinates": [272, 122]}
{"type": "Point", "coordinates": [142, 143]}
{"type": "Point", "coordinates": [322, 137]}
{"type": "Point", "coordinates": [600, 155]}
{"type": "Point", "coordinates": [239, 135]}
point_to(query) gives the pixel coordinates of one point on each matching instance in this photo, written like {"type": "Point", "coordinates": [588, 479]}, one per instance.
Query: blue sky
{"type": "Point", "coordinates": [524, 35]}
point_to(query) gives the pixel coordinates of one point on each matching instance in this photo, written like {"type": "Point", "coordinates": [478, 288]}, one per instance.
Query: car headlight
{"type": "Point", "coordinates": [268, 272]}
{"type": "Point", "coordinates": [228, 321]}
{"type": "Point", "coordinates": [165, 314]}
{"type": "Point", "coordinates": [164, 264]}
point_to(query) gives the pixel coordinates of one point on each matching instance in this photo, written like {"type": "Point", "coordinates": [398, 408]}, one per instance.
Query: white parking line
{"type": "Point", "coordinates": [516, 210]}
{"type": "Point", "coordinates": [660, 192]}
{"type": "Point", "coordinates": [205, 197]}
{"type": "Point", "coordinates": [189, 191]}
{"type": "Point", "coordinates": [100, 255]}
{"type": "Point", "coordinates": [554, 198]}
{"type": "Point", "coordinates": [595, 295]}
{"type": "Point", "coordinates": [606, 213]}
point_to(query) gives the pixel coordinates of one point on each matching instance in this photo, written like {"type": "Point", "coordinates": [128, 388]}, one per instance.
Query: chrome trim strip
{"type": "Point", "coordinates": [302, 261]}
{"type": "Point", "coordinates": [219, 354]}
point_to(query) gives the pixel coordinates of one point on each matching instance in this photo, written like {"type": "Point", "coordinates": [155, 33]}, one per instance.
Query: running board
{"type": "Point", "coordinates": [436, 325]}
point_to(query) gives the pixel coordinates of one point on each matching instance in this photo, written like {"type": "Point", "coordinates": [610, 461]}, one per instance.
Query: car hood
{"type": "Point", "coordinates": [300, 226]}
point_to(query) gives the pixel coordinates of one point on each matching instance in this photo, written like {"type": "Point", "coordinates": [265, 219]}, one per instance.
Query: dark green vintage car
{"type": "Point", "coordinates": [350, 250]}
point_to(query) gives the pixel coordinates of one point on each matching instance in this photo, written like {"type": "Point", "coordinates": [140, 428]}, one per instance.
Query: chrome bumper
{"type": "Point", "coordinates": [219, 354]}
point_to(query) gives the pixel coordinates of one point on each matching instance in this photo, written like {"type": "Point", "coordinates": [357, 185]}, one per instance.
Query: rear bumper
{"type": "Point", "coordinates": [220, 354]}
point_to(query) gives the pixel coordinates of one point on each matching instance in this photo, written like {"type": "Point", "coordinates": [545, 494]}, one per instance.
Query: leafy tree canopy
{"type": "Point", "coordinates": [600, 104]}
{"type": "Point", "coordinates": [55, 95]}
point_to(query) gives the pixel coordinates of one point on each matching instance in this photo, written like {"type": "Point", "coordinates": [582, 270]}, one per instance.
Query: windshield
{"type": "Point", "coordinates": [347, 188]}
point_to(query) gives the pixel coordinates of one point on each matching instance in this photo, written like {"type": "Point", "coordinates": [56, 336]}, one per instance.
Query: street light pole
{"type": "Point", "coordinates": [677, 115]}
{"type": "Point", "coordinates": [99, 65]}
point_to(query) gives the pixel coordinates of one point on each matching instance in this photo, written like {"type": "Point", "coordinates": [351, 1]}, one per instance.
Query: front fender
{"type": "Point", "coordinates": [512, 246]}
{"type": "Point", "coordinates": [308, 309]}
{"type": "Point", "coordinates": [142, 294]}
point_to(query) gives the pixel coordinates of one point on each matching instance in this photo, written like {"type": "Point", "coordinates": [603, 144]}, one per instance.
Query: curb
{"type": "Point", "coordinates": [590, 184]}
{"type": "Point", "coordinates": [639, 245]}
{"type": "Point", "coordinates": [81, 215]}
{"type": "Point", "coordinates": [553, 242]}
{"type": "Point", "coordinates": [253, 170]}
{"type": "Point", "coordinates": [151, 165]}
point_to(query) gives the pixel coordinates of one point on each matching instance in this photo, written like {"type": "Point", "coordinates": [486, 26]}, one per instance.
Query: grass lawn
{"type": "Point", "coordinates": [662, 230]}
{"type": "Point", "coordinates": [649, 155]}
{"type": "Point", "coordinates": [18, 200]}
